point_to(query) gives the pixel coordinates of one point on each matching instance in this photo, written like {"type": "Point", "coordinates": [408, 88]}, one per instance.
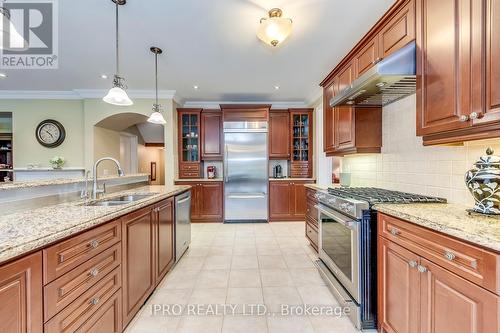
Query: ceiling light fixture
{"type": "Point", "coordinates": [276, 87]}
{"type": "Point", "coordinates": [104, 76]}
{"type": "Point", "coordinates": [3, 76]}
{"type": "Point", "coordinates": [274, 29]}
{"type": "Point", "coordinates": [117, 95]}
{"type": "Point", "coordinates": [156, 117]}
{"type": "Point", "coordinates": [9, 34]}
{"type": "Point", "coordinates": [196, 87]}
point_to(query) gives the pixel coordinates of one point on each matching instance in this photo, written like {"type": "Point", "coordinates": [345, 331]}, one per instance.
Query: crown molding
{"type": "Point", "coordinates": [79, 94]}
{"type": "Point", "coordinates": [216, 105]}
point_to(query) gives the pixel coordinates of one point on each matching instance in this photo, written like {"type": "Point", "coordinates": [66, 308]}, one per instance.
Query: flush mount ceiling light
{"type": "Point", "coordinates": [117, 95]}
{"type": "Point", "coordinates": [274, 29]}
{"type": "Point", "coordinates": [156, 117]}
{"type": "Point", "coordinates": [3, 76]}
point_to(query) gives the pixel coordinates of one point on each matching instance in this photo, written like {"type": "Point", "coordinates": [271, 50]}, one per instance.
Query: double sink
{"type": "Point", "coordinates": [121, 200]}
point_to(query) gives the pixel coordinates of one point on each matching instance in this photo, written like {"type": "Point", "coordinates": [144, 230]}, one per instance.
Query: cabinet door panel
{"type": "Point", "coordinates": [399, 31]}
{"type": "Point", "coordinates": [138, 260]}
{"type": "Point", "coordinates": [328, 118]}
{"type": "Point", "coordinates": [21, 296]}
{"type": "Point", "coordinates": [279, 135]}
{"type": "Point", "coordinates": [452, 304]}
{"type": "Point", "coordinates": [398, 289]}
{"type": "Point", "coordinates": [367, 57]}
{"type": "Point", "coordinates": [210, 201]}
{"type": "Point", "coordinates": [165, 238]}
{"type": "Point", "coordinates": [443, 65]}
{"type": "Point", "coordinates": [299, 201]}
{"type": "Point", "coordinates": [212, 130]}
{"type": "Point", "coordinates": [344, 115]}
{"type": "Point", "coordinates": [279, 200]}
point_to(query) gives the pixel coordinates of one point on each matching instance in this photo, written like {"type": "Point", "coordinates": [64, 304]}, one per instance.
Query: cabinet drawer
{"type": "Point", "coordinates": [189, 174]}
{"type": "Point", "coordinates": [312, 235]}
{"type": "Point", "coordinates": [312, 196]}
{"type": "Point", "coordinates": [312, 212]}
{"type": "Point", "coordinates": [78, 313]}
{"type": "Point", "coordinates": [472, 263]}
{"type": "Point", "coordinates": [65, 256]}
{"type": "Point", "coordinates": [61, 292]}
{"type": "Point", "coordinates": [190, 167]}
{"type": "Point", "coordinates": [107, 319]}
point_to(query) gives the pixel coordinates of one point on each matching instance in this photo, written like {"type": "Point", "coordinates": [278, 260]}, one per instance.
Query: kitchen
{"type": "Point", "coordinates": [238, 203]}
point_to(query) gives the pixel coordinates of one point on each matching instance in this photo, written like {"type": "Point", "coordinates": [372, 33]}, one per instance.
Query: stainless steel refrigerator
{"type": "Point", "coordinates": [246, 171]}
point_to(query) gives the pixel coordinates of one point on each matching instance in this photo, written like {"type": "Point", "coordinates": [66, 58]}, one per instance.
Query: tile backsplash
{"type": "Point", "coordinates": [406, 165]}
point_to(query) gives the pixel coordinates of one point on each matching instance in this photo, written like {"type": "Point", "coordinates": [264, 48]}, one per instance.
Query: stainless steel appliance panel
{"type": "Point", "coordinates": [246, 174]}
{"type": "Point", "coordinates": [182, 224]}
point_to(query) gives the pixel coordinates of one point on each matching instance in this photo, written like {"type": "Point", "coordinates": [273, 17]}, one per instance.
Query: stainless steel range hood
{"type": "Point", "coordinates": [387, 81]}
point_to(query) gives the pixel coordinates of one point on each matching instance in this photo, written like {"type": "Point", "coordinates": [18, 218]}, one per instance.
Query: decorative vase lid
{"type": "Point", "coordinates": [488, 160]}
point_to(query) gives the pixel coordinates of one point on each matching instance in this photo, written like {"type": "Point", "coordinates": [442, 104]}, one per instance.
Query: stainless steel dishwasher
{"type": "Point", "coordinates": [182, 224]}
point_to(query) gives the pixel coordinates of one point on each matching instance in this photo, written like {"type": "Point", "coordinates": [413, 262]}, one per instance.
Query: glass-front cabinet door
{"type": "Point", "coordinates": [300, 123]}
{"type": "Point", "coordinates": [190, 137]}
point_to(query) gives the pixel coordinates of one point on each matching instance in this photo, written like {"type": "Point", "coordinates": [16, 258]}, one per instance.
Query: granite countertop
{"type": "Point", "coordinates": [290, 179]}
{"type": "Point", "coordinates": [199, 180]}
{"type": "Point", "coordinates": [30, 230]}
{"type": "Point", "coordinates": [319, 187]}
{"type": "Point", "coordinates": [450, 219]}
{"type": "Point", "coordinates": [61, 181]}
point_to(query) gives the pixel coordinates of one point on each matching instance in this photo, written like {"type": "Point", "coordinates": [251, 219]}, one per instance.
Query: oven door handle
{"type": "Point", "coordinates": [346, 223]}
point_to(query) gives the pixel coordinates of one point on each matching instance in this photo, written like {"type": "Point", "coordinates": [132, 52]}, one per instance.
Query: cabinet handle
{"type": "Point", "coordinates": [422, 269]}
{"type": "Point", "coordinates": [94, 301]}
{"type": "Point", "coordinates": [449, 255]}
{"type": "Point", "coordinates": [463, 118]}
{"type": "Point", "coordinates": [93, 272]}
{"type": "Point", "coordinates": [412, 263]}
{"type": "Point", "coordinates": [395, 232]}
{"type": "Point", "coordinates": [94, 244]}
{"type": "Point", "coordinates": [475, 115]}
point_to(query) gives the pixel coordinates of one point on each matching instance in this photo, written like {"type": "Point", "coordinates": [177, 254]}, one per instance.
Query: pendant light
{"type": "Point", "coordinates": [156, 117]}
{"type": "Point", "coordinates": [274, 29]}
{"type": "Point", "coordinates": [117, 95]}
{"type": "Point", "coordinates": [9, 33]}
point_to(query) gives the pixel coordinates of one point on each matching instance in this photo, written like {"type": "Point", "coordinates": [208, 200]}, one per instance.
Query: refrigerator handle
{"type": "Point", "coordinates": [225, 163]}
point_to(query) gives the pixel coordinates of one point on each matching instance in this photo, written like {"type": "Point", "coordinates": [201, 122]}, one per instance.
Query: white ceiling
{"type": "Point", "coordinates": [209, 43]}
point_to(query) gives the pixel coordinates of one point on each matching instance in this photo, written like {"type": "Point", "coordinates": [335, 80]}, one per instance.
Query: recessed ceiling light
{"type": "Point", "coordinates": [196, 87]}
{"type": "Point", "coordinates": [276, 87]}
{"type": "Point", "coordinates": [3, 76]}
{"type": "Point", "coordinates": [104, 76]}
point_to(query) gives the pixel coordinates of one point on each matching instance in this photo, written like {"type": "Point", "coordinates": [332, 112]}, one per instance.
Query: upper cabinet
{"type": "Point", "coordinates": [189, 143]}
{"type": "Point", "coordinates": [301, 124]}
{"type": "Point", "coordinates": [458, 68]}
{"type": "Point", "coordinates": [398, 31]}
{"type": "Point", "coordinates": [366, 57]}
{"type": "Point", "coordinates": [279, 134]}
{"type": "Point", "coordinates": [211, 135]}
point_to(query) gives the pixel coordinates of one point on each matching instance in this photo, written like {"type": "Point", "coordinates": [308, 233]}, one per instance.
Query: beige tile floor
{"type": "Point", "coordinates": [240, 264]}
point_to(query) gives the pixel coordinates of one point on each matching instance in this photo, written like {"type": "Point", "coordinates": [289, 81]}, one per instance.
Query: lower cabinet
{"type": "Point", "coordinates": [207, 201]}
{"type": "Point", "coordinates": [312, 225]}
{"type": "Point", "coordinates": [287, 200]}
{"type": "Point", "coordinates": [21, 296]}
{"type": "Point", "coordinates": [418, 295]}
{"type": "Point", "coordinates": [165, 241]}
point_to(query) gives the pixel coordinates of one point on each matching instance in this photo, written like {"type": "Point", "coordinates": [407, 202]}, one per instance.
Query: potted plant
{"type": "Point", "coordinates": [57, 162]}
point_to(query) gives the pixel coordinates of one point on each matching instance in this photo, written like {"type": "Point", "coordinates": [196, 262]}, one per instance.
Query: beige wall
{"type": "Point", "coordinates": [106, 144]}
{"type": "Point", "coordinates": [146, 155]}
{"type": "Point", "coordinates": [27, 114]}
{"type": "Point", "coordinates": [406, 165]}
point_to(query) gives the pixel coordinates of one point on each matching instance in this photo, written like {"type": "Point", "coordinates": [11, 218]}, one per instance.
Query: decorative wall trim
{"type": "Point", "coordinates": [79, 94]}
{"type": "Point", "coordinates": [216, 105]}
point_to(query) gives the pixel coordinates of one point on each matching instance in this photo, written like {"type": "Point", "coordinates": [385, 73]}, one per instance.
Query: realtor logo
{"type": "Point", "coordinates": [29, 34]}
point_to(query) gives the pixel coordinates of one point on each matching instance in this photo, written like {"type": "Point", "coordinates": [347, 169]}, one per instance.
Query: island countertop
{"type": "Point", "coordinates": [29, 230]}
{"type": "Point", "coordinates": [450, 219]}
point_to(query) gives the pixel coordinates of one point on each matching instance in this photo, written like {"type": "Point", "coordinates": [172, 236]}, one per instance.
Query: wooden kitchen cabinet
{"type": "Point", "coordinates": [279, 134]}
{"type": "Point", "coordinates": [329, 91]}
{"type": "Point", "coordinates": [189, 141]}
{"type": "Point", "coordinates": [207, 201]}
{"type": "Point", "coordinates": [212, 135]}
{"type": "Point", "coordinates": [301, 125]}
{"type": "Point", "coordinates": [21, 295]}
{"type": "Point", "coordinates": [425, 282]}
{"type": "Point", "coordinates": [398, 31]}
{"type": "Point", "coordinates": [287, 200]}
{"type": "Point", "coordinates": [367, 57]}
{"type": "Point", "coordinates": [311, 219]}
{"type": "Point", "coordinates": [138, 250]}
{"type": "Point", "coordinates": [165, 242]}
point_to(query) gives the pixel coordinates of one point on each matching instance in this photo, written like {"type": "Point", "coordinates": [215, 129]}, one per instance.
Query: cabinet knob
{"type": "Point", "coordinates": [412, 263]}
{"type": "Point", "coordinates": [395, 232]}
{"type": "Point", "coordinates": [94, 301]}
{"type": "Point", "coordinates": [93, 272]}
{"type": "Point", "coordinates": [94, 244]}
{"type": "Point", "coordinates": [463, 118]}
{"type": "Point", "coordinates": [475, 115]}
{"type": "Point", "coordinates": [422, 269]}
{"type": "Point", "coordinates": [449, 255]}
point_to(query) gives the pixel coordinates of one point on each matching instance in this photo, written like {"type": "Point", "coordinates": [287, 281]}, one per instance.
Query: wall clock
{"type": "Point", "coordinates": [50, 133]}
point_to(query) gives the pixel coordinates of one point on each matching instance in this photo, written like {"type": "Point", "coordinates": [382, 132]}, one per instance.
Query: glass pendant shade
{"type": "Point", "coordinates": [157, 118]}
{"type": "Point", "coordinates": [275, 29]}
{"type": "Point", "coordinates": [117, 96]}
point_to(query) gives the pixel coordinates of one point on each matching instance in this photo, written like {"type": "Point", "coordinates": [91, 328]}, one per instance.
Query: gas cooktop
{"type": "Point", "coordinates": [376, 195]}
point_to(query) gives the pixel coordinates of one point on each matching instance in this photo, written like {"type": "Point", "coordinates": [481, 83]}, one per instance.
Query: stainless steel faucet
{"type": "Point", "coordinates": [84, 194]}
{"type": "Point", "coordinates": [95, 188]}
